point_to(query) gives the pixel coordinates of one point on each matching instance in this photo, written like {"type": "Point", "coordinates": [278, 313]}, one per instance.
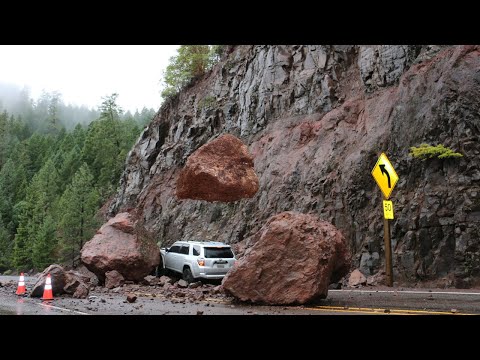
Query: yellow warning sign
{"type": "Point", "coordinates": [385, 175]}
{"type": "Point", "coordinates": [388, 209]}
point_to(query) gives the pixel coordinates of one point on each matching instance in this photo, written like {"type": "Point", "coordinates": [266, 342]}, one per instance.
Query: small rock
{"type": "Point", "coordinates": [81, 292]}
{"type": "Point", "coordinates": [180, 294]}
{"type": "Point", "coordinates": [199, 312]}
{"type": "Point", "coordinates": [113, 279]}
{"type": "Point", "coordinates": [453, 311]}
{"type": "Point", "coordinates": [182, 283]}
{"type": "Point", "coordinates": [131, 298]}
{"type": "Point", "coordinates": [150, 280]}
{"type": "Point", "coordinates": [103, 300]}
{"type": "Point", "coordinates": [371, 280]}
{"type": "Point", "coordinates": [199, 297]}
{"type": "Point", "coordinates": [92, 297]}
{"type": "Point", "coordinates": [217, 289]}
{"type": "Point", "coordinates": [164, 280]}
{"type": "Point", "coordinates": [356, 278]}
{"type": "Point", "coordinates": [73, 281]}
{"type": "Point", "coordinates": [195, 285]}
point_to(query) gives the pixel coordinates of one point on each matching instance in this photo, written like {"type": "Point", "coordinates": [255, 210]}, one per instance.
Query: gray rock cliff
{"type": "Point", "coordinates": [315, 118]}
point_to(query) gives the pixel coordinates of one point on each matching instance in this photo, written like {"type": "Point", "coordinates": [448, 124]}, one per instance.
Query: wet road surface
{"type": "Point", "coordinates": [368, 301]}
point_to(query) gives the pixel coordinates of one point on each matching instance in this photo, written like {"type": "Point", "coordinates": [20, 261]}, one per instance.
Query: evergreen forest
{"type": "Point", "coordinates": [58, 165]}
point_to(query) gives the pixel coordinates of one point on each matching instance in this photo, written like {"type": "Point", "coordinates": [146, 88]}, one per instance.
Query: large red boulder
{"type": "Point", "coordinates": [221, 170]}
{"type": "Point", "coordinates": [119, 246]}
{"type": "Point", "coordinates": [293, 259]}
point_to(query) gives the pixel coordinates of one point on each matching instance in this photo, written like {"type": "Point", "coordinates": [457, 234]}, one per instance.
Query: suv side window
{"type": "Point", "coordinates": [196, 250]}
{"type": "Point", "coordinates": [184, 249]}
{"type": "Point", "coordinates": [175, 249]}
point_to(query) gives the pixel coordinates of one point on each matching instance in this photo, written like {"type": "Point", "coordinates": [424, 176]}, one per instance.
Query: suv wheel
{"type": "Point", "coordinates": [187, 275]}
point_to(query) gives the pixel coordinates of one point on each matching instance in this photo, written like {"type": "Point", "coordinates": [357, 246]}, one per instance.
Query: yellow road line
{"type": "Point", "coordinates": [325, 308]}
{"type": "Point", "coordinates": [384, 311]}
{"type": "Point", "coordinates": [346, 310]}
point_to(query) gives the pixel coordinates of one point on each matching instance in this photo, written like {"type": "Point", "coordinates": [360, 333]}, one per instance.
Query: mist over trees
{"type": "Point", "coordinates": [49, 113]}
{"type": "Point", "coordinates": [58, 164]}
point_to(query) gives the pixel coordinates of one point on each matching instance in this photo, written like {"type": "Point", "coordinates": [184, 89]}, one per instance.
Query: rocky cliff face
{"type": "Point", "coordinates": [315, 119]}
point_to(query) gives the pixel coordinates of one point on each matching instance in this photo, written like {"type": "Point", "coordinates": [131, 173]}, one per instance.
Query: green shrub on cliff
{"type": "Point", "coordinates": [426, 151]}
{"type": "Point", "coordinates": [192, 61]}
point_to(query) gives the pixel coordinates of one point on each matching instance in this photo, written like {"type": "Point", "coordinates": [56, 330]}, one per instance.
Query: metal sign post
{"type": "Point", "coordinates": [388, 251]}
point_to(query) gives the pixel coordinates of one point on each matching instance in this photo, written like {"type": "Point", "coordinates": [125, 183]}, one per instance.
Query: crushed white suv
{"type": "Point", "coordinates": [198, 259]}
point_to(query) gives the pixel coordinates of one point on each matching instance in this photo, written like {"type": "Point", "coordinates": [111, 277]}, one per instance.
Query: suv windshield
{"type": "Point", "coordinates": [215, 252]}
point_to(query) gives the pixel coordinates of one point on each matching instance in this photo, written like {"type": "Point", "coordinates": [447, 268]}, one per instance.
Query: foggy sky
{"type": "Point", "coordinates": [83, 74]}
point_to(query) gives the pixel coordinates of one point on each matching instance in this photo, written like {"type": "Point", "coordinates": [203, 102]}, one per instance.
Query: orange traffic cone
{"type": "Point", "coordinates": [47, 291]}
{"type": "Point", "coordinates": [21, 285]}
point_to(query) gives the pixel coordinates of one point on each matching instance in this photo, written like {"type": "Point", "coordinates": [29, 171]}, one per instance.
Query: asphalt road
{"type": "Point", "coordinates": [379, 301]}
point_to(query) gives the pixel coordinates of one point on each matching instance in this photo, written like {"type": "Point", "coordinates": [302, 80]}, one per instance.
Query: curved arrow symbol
{"type": "Point", "coordinates": [385, 172]}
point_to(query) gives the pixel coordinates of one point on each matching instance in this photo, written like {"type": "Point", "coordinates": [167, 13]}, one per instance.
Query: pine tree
{"type": "Point", "coordinates": [3, 137]}
{"type": "Point", "coordinates": [78, 135]}
{"type": "Point", "coordinates": [22, 244]}
{"type": "Point", "coordinates": [109, 109]}
{"type": "Point", "coordinates": [36, 148]}
{"type": "Point", "coordinates": [106, 144]}
{"type": "Point", "coordinates": [79, 204]}
{"type": "Point", "coordinates": [31, 243]}
{"type": "Point", "coordinates": [13, 183]}
{"type": "Point", "coordinates": [6, 248]}
{"type": "Point", "coordinates": [44, 244]}
{"type": "Point", "coordinates": [71, 163]}
{"type": "Point", "coordinates": [53, 121]}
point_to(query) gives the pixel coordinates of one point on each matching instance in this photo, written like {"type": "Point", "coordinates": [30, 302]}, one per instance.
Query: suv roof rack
{"type": "Point", "coordinates": [203, 242]}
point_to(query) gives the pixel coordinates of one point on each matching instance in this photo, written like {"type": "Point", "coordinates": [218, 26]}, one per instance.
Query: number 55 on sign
{"type": "Point", "coordinates": [388, 209]}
